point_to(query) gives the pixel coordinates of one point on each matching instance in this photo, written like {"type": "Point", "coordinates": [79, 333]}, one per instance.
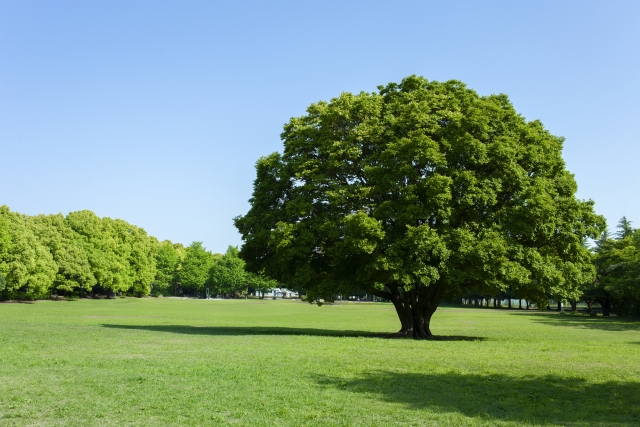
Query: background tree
{"type": "Point", "coordinates": [166, 267]}
{"type": "Point", "coordinates": [195, 267]}
{"type": "Point", "coordinates": [260, 283]}
{"type": "Point", "coordinates": [5, 244]}
{"type": "Point", "coordinates": [24, 261]}
{"type": "Point", "coordinates": [137, 250]}
{"type": "Point", "coordinates": [604, 238]}
{"type": "Point", "coordinates": [227, 275]}
{"type": "Point", "coordinates": [181, 251]}
{"type": "Point", "coordinates": [121, 255]}
{"type": "Point", "coordinates": [74, 271]}
{"type": "Point", "coordinates": [624, 228]}
{"type": "Point", "coordinates": [83, 252]}
{"type": "Point", "coordinates": [421, 191]}
{"type": "Point", "coordinates": [618, 266]}
{"type": "Point", "coordinates": [104, 250]}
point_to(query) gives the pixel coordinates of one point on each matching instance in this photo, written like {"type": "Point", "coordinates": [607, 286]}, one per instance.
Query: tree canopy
{"type": "Point", "coordinates": [227, 275]}
{"type": "Point", "coordinates": [617, 261]}
{"type": "Point", "coordinates": [74, 270]}
{"type": "Point", "coordinates": [167, 261]}
{"type": "Point", "coordinates": [81, 253]}
{"type": "Point", "coordinates": [24, 261]}
{"type": "Point", "coordinates": [195, 267]}
{"type": "Point", "coordinates": [418, 192]}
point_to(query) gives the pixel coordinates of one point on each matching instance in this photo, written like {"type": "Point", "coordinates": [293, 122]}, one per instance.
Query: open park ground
{"type": "Point", "coordinates": [173, 362]}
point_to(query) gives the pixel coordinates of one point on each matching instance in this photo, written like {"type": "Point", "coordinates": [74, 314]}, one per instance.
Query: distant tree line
{"type": "Point", "coordinates": [617, 262]}
{"type": "Point", "coordinates": [616, 287]}
{"type": "Point", "coordinates": [83, 254]}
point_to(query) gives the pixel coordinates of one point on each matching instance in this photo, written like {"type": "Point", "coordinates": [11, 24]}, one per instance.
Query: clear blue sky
{"type": "Point", "coordinates": [155, 112]}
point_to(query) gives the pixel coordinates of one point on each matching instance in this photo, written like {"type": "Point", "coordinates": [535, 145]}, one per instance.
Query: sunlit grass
{"type": "Point", "coordinates": [186, 362]}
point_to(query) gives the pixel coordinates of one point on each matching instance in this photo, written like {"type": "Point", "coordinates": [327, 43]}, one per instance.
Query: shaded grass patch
{"type": "Point", "coordinates": [611, 324]}
{"type": "Point", "coordinates": [534, 399]}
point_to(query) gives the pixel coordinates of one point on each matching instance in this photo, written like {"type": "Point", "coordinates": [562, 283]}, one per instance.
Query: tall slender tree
{"type": "Point", "coordinates": [624, 228]}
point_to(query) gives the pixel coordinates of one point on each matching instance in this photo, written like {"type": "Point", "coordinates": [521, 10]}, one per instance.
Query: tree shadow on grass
{"type": "Point", "coordinates": [529, 400]}
{"type": "Point", "coordinates": [571, 320]}
{"type": "Point", "coordinates": [267, 330]}
{"type": "Point", "coordinates": [243, 330]}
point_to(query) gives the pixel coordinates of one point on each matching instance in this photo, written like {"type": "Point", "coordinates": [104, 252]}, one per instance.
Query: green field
{"type": "Point", "coordinates": [250, 362]}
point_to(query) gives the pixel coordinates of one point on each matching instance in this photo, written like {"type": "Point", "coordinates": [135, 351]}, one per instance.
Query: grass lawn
{"type": "Point", "coordinates": [178, 362]}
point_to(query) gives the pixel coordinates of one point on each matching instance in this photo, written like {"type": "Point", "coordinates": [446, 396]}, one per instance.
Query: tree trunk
{"type": "Point", "coordinates": [606, 306]}
{"type": "Point", "coordinates": [574, 305]}
{"type": "Point", "coordinates": [520, 304]}
{"type": "Point", "coordinates": [414, 309]}
{"type": "Point", "coordinates": [509, 302]}
{"type": "Point", "coordinates": [527, 304]}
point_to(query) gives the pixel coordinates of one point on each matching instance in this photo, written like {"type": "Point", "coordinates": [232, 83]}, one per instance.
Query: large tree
{"type": "Point", "coordinates": [418, 192]}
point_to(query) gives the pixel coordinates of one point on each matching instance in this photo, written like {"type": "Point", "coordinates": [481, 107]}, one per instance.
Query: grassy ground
{"type": "Point", "coordinates": [185, 362]}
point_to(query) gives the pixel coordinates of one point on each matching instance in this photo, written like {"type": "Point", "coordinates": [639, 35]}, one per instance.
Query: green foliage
{"type": "Point", "coordinates": [421, 191]}
{"type": "Point", "coordinates": [139, 250]}
{"type": "Point", "coordinates": [604, 237]}
{"type": "Point", "coordinates": [77, 253]}
{"type": "Point", "coordinates": [166, 266]}
{"type": "Point", "coordinates": [618, 266]}
{"type": "Point", "coordinates": [261, 283]}
{"type": "Point", "coordinates": [195, 267]}
{"type": "Point", "coordinates": [105, 251]}
{"type": "Point", "coordinates": [624, 228]}
{"type": "Point", "coordinates": [24, 261]}
{"type": "Point", "coordinates": [227, 275]}
{"type": "Point", "coordinates": [5, 245]}
{"type": "Point", "coordinates": [74, 271]}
